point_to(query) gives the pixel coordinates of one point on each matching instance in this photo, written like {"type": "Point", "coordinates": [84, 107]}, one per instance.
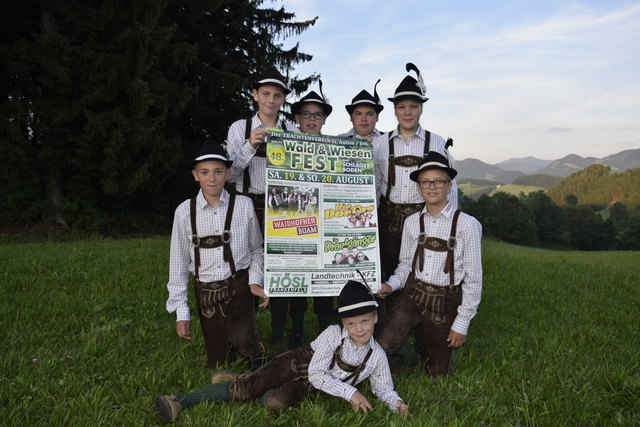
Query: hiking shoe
{"type": "Point", "coordinates": [168, 408]}
{"type": "Point", "coordinates": [225, 376]}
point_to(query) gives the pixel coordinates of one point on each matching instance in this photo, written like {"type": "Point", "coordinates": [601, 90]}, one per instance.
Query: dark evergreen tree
{"type": "Point", "coordinates": [511, 220]}
{"type": "Point", "coordinates": [549, 217]}
{"type": "Point", "coordinates": [105, 101]}
{"type": "Point", "coordinates": [629, 233]}
{"type": "Point", "coordinates": [587, 230]}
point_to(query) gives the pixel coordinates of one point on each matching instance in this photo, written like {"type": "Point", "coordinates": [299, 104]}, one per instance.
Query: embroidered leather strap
{"type": "Point", "coordinates": [391, 174]}
{"type": "Point", "coordinates": [261, 151]}
{"type": "Point", "coordinates": [437, 245]}
{"type": "Point", "coordinates": [212, 241]}
{"type": "Point", "coordinates": [354, 371]}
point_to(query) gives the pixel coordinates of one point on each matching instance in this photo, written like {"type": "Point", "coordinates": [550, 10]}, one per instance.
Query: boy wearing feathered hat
{"type": "Point", "coordinates": [338, 360]}
{"type": "Point", "coordinates": [396, 155]}
{"type": "Point", "coordinates": [246, 138]}
{"type": "Point", "coordinates": [363, 114]}
{"type": "Point", "coordinates": [216, 238]}
{"type": "Point", "coordinates": [438, 281]}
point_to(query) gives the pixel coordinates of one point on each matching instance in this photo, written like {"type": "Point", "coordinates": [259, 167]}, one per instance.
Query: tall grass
{"type": "Point", "coordinates": [86, 341]}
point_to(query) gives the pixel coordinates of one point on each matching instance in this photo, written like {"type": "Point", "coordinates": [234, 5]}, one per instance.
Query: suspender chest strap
{"type": "Point", "coordinates": [403, 161]}
{"type": "Point", "coordinates": [213, 241]}
{"type": "Point", "coordinates": [261, 151]}
{"type": "Point", "coordinates": [354, 371]}
{"type": "Point", "coordinates": [437, 245]}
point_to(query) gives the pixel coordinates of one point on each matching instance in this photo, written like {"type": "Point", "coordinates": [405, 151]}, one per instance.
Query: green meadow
{"type": "Point", "coordinates": [86, 340]}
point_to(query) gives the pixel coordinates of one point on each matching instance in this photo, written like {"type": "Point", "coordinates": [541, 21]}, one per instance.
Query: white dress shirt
{"type": "Point", "coordinates": [246, 247]}
{"type": "Point", "coordinates": [467, 258]}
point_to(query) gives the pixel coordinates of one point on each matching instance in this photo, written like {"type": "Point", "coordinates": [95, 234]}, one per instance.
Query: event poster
{"type": "Point", "coordinates": [321, 225]}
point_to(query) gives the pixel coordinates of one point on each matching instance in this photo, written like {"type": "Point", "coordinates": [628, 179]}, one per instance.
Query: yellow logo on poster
{"type": "Point", "coordinates": [276, 156]}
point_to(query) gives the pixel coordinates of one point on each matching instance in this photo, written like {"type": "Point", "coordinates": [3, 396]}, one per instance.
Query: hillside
{"type": "Point", "coordinates": [544, 181]}
{"type": "Point", "coordinates": [597, 185]}
{"type": "Point", "coordinates": [526, 165]}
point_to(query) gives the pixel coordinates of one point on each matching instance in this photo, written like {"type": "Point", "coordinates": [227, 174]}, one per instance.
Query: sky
{"type": "Point", "coordinates": [505, 79]}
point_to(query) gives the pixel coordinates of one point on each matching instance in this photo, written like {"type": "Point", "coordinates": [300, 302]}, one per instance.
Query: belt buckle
{"type": "Point", "coordinates": [451, 243]}
{"type": "Point", "coordinates": [225, 236]}
{"type": "Point", "coordinates": [195, 239]}
{"type": "Point", "coordinates": [422, 238]}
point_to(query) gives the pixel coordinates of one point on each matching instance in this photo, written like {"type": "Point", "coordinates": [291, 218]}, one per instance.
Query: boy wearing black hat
{"type": "Point", "coordinates": [217, 239]}
{"type": "Point", "coordinates": [396, 155]}
{"type": "Point", "coordinates": [339, 359]}
{"type": "Point", "coordinates": [363, 114]}
{"type": "Point", "coordinates": [246, 138]}
{"type": "Point", "coordinates": [438, 280]}
{"type": "Point", "coordinates": [311, 111]}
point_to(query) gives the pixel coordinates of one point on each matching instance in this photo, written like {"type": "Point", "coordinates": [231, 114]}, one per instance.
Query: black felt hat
{"type": "Point", "coordinates": [211, 150]}
{"type": "Point", "coordinates": [272, 77]}
{"type": "Point", "coordinates": [314, 98]}
{"type": "Point", "coordinates": [355, 299]}
{"type": "Point", "coordinates": [366, 99]}
{"type": "Point", "coordinates": [434, 160]}
{"type": "Point", "coordinates": [411, 88]}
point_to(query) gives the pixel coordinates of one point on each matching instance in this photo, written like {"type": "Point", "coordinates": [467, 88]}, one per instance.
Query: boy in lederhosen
{"type": "Point", "coordinates": [339, 359]}
{"type": "Point", "coordinates": [438, 280]}
{"type": "Point", "coordinates": [246, 138]}
{"type": "Point", "coordinates": [363, 114]}
{"type": "Point", "coordinates": [247, 148]}
{"type": "Point", "coordinates": [217, 239]}
{"type": "Point", "coordinates": [396, 155]}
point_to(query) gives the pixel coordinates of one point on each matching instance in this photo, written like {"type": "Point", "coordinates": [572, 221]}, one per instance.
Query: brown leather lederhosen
{"type": "Point", "coordinates": [225, 301]}
{"type": "Point", "coordinates": [431, 298]}
{"type": "Point", "coordinates": [287, 376]}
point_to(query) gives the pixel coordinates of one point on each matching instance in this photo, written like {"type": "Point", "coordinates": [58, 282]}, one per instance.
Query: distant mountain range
{"type": "Point", "coordinates": [505, 172]}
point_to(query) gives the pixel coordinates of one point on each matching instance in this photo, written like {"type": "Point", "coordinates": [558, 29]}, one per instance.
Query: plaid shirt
{"type": "Point", "coordinates": [405, 190]}
{"type": "Point", "coordinates": [466, 259]}
{"type": "Point", "coordinates": [242, 154]}
{"type": "Point", "coordinates": [328, 380]}
{"type": "Point", "coordinates": [246, 247]}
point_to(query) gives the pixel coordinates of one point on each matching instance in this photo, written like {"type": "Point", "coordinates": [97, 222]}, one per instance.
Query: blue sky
{"type": "Point", "coordinates": [505, 78]}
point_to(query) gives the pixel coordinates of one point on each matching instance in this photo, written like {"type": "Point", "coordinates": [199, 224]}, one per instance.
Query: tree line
{"type": "Point", "coordinates": [535, 219]}
{"type": "Point", "coordinates": [104, 103]}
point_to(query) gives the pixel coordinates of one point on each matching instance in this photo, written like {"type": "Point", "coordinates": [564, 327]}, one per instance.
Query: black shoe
{"type": "Point", "coordinates": [168, 408]}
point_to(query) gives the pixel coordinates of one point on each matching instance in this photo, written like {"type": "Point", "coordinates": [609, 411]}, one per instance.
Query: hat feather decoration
{"type": "Point", "coordinates": [420, 83]}
{"type": "Point", "coordinates": [324, 98]}
{"type": "Point", "coordinates": [375, 92]}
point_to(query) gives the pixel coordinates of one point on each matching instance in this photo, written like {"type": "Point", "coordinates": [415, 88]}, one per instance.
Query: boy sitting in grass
{"type": "Point", "coordinates": [340, 358]}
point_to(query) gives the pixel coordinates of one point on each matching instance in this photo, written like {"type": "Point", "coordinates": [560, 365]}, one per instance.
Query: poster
{"type": "Point", "coordinates": [321, 224]}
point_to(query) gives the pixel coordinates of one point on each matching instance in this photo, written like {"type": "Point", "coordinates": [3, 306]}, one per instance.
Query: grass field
{"type": "Point", "coordinates": [86, 341]}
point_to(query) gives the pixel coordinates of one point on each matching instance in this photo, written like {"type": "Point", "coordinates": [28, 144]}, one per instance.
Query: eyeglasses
{"type": "Point", "coordinates": [307, 115]}
{"type": "Point", "coordinates": [438, 183]}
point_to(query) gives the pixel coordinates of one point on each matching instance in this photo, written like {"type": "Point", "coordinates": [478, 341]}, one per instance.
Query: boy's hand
{"type": "Point", "coordinates": [403, 408]}
{"type": "Point", "coordinates": [182, 328]}
{"type": "Point", "coordinates": [455, 339]}
{"type": "Point", "coordinates": [256, 290]}
{"type": "Point", "coordinates": [360, 403]}
{"type": "Point", "coordinates": [257, 136]}
{"type": "Point", "coordinates": [384, 290]}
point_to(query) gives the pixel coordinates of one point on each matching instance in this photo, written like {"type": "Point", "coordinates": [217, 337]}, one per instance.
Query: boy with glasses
{"type": "Point", "coordinates": [438, 281]}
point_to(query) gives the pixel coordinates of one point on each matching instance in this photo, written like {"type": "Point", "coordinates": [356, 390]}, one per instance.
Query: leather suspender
{"type": "Point", "coordinates": [354, 371]}
{"type": "Point", "coordinates": [391, 174]}
{"type": "Point", "coordinates": [437, 245]}
{"type": "Point", "coordinates": [225, 237]}
{"type": "Point", "coordinates": [261, 151]}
